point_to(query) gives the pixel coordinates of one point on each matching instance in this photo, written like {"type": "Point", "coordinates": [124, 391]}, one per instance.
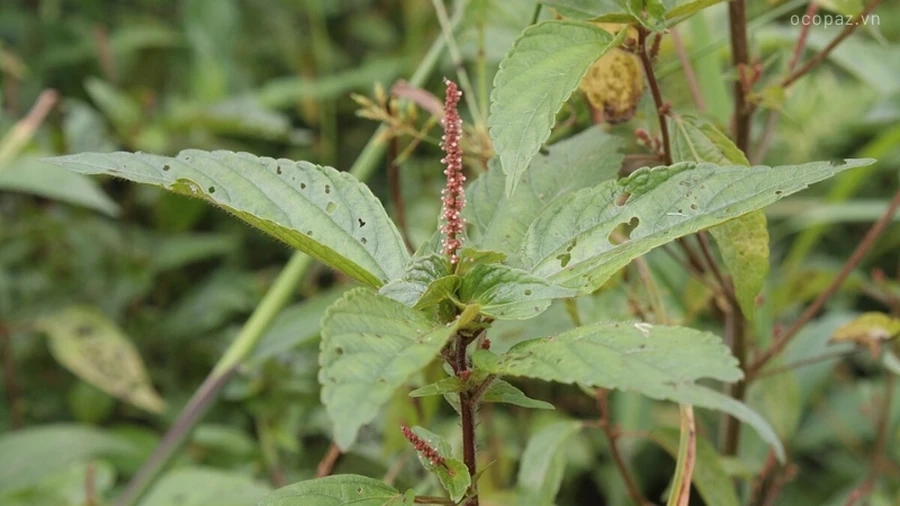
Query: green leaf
{"type": "Point", "coordinates": [85, 342]}
{"type": "Point", "coordinates": [710, 477]}
{"type": "Point", "coordinates": [370, 346]}
{"type": "Point", "coordinates": [29, 175]}
{"type": "Point", "coordinates": [502, 392]}
{"type": "Point", "coordinates": [534, 81]}
{"type": "Point", "coordinates": [421, 272]}
{"type": "Point", "coordinates": [325, 213]}
{"type": "Point", "coordinates": [743, 241]}
{"type": "Point", "coordinates": [507, 293]}
{"type": "Point", "coordinates": [198, 486]}
{"type": "Point", "coordinates": [657, 361]}
{"type": "Point", "coordinates": [123, 111]}
{"type": "Point", "coordinates": [570, 245]}
{"type": "Point", "coordinates": [442, 386]}
{"type": "Point", "coordinates": [543, 464]}
{"type": "Point", "coordinates": [29, 456]}
{"type": "Point", "coordinates": [453, 475]}
{"type": "Point", "coordinates": [622, 11]}
{"type": "Point", "coordinates": [890, 361]}
{"type": "Point", "coordinates": [337, 490]}
{"type": "Point", "coordinates": [499, 222]}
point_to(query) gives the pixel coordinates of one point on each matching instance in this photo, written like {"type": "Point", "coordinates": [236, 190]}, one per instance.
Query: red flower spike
{"type": "Point", "coordinates": [453, 196]}
{"type": "Point", "coordinates": [423, 447]}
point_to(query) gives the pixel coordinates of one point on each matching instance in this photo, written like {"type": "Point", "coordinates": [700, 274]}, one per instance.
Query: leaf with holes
{"type": "Point", "coordinates": [85, 342]}
{"type": "Point", "coordinates": [535, 79]}
{"type": "Point", "coordinates": [325, 213]}
{"type": "Point", "coordinates": [543, 464]}
{"type": "Point", "coordinates": [370, 346]}
{"type": "Point", "coordinates": [452, 473]}
{"type": "Point", "coordinates": [657, 361]}
{"type": "Point", "coordinates": [507, 293]}
{"type": "Point", "coordinates": [570, 243]}
{"type": "Point", "coordinates": [500, 223]}
{"type": "Point", "coordinates": [338, 490]}
{"type": "Point", "coordinates": [743, 241]}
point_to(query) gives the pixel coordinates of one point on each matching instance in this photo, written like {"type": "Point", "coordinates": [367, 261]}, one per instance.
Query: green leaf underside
{"type": "Point", "coordinates": [370, 346]}
{"type": "Point", "coordinates": [93, 348]}
{"type": "Point", "coordinates": [498, 391]}
{"type": "Point", "coordinates": [323, 212]}
{"type": "Point", "coordinates": [657, 361]}
{"type": "Point", "coordinates": [337, 490]}
{"type": "Point", "coordinates": [543, 464]}
{"type": "Point", "coordinates": [616, 11]}
{"type": "Point", "coordinates": [500, 223]}
{"type": "Point", "coordinates": [453, 475]}
{"type": "Point", "coordinates": [508, 293]}
{"type": "Point", "coordinates": [502, 392]}
{"type": "Point", "coordinates": [30, 455]}
{"type": "Point", "coordinates": [222, 488]}
{"type": "Point", "coordinates": [570, 245]}
{"type": "Point", "coordinates": [535, 79]}
{"type": "Point", "coordinates": [710, 477]}
{"type": "Point", "coordinates": [743, 241]}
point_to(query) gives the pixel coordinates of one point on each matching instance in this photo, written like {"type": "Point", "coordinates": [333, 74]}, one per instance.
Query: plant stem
{"type": "Point", "coordinates": [735, 334]}
{"type": "Point", "coordinates": [740, 56]}
{"type": "Point", "coordinates": [689, 76]}
{"type": "Point", "coordinates": [654, 90]}
{"type": "Point", "coordinates": [462, 74]}
{"type": "Point", "coordinates": [396, 185]}
{"type": "Point", "coordinates": [326, 465]}
{"type": "Point", "coordinates": [323, 63]}
{"type": "Point", "coordinates": [467, 405]}
{"type": "Point", "coordinates": [275, 299]}
{"type": "Point", "coordinates": [687, 456]}
{"type": "Point", "coordinates": [856, 257]}
{"type": "Point", "coordinates": [612, 437]}
{"type": "Point", "coordinates": [821, 55]}
{"type": "Point", "coordinates": [22, 132]}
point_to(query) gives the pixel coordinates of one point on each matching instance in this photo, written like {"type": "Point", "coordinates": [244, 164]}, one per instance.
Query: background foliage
{"type": "Point", "coordinates": [162, 283]}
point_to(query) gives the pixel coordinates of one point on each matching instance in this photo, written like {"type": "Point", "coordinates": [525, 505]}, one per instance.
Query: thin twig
{"type": "Point", "coordinates": [861, 251]}
{"type": "Point", "coordinates": [804, 35]}
{"type": "Point", "coordinates": [467, 404]}
{"type": "Point", "coordinates": [821, 55]}
{"type": "Point", "coordinates": [24, 129]}
{"type": "Point", "coordinates": [326, 465]}
{"type": "Point", "coordinates": [654, 90]}
{"type": "Point", "coordinates": [740, 56]}
{"type": "Point", "coordinates": [689, 76]}
{"type": "Point", "coordinates": [612, 437]}
{"type": "Point", "coordinates": [396, 185]}
{"type": "Point", "coordinates": [456, 56]}
{"type": "Point", "coordinates": [687, 457]}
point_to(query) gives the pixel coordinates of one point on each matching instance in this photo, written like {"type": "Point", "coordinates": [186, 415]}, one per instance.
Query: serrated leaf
{"type": "Point", "coordinates": [543, 464]}
{"type": "Point", "coordinates": [502, 392]}
{"type": "Point", "coordinates": [325, 213]}
{"type": "Point", "coordinates": [370, 346]}
{"type": "Point", "coordinates": [619, 11]}
{"type": "Point", "coordinates": [710, 477]}
{"type": "Point", "coordinates": [570, 245]}
{"type": "Point", "coordinates": [199, 486]}
{"type": "Point", "coordinates": [507, 293]}
{"type": "Point", "coordinates": [337, 490]}
{"type": "Point", "coordinates": [93, 348]}
{"type": "Point", "coordinates": [499, 222]}
{"type": "Point", "coordinates": [535, 79]}
{"type": "Point", "coordinates": [421, 272]}
{"type": "Point", "coordinates": [453, 475]}
{"type": "Point", "coordinates": [743, 241]}
{"type": "Point", "coordinates": [30, 455]}
{"type": "Point", "coordinates": [657, 361]}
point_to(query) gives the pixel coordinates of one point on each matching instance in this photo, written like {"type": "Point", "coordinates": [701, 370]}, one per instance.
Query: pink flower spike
{"type": "Point", "coordinates": [453, 196]}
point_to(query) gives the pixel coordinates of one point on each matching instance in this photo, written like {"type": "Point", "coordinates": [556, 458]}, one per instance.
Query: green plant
{"type": "Point", "coordinates": [534, 233]}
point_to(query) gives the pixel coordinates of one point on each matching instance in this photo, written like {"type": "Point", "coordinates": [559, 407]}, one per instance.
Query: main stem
{"type": "Point", "coordinates": [740, 56]}
{"type": "Point", "coordinates": [467, 406]}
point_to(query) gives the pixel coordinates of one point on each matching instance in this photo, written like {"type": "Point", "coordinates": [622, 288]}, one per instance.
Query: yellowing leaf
{"type": "Point", "coordinates": [869, 330]}
{"type": "Point", "coordinates": [93, 348]}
